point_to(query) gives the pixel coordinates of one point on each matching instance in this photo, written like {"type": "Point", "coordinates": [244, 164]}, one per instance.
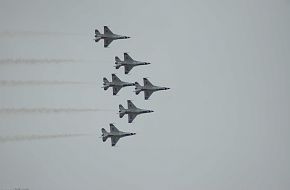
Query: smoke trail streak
{"type": "Point", "coordinates": [28, 33]}
{"type": "Point", "coordinates": [38, 61]}
{"type": "Point", "coordinates": [37, 137]}
{"type": "Point", "coordinates": [35, 82]}
{"type": "Point", "coordinates": [49, 110]}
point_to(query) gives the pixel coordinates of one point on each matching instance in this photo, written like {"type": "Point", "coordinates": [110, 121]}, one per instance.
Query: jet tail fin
{"type": "Point", "coordinates": [97, 32]}
{"type": "Point", "coordinates": [97, 39]}
{"type": "Point", "coordinates": [105, 80]}
{"type": "Point", "coordinates": [121, 111]}
{"type": "Point", "coordinates": [117, 59]}
{"type": "Point", "coordinates": [137, 88]}
{"type": "Point", "coordinates": [105, 134]}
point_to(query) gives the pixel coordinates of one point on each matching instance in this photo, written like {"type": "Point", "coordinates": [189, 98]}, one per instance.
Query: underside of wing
{"type": "Point", "coordinates": [107, 30]}
{"type": "Point", "coordinates": [107, 42]}
{"type": "Point", "coordinates": [128, 68]}
{"type": "Point", "coordinates": [147, 82]}
{"type": "Point", "coordinates": [113, 129]}
{"type": "Point", "coordinates": [147, 94]}
{"type": "Point", "coordinates": [115, 78]}
{"type": "Point", "coordinates": [131, 105]}
{"type": "Point", "coordinates": [116, 89]}
{"type": "Point", "coordinates": [114, 140]}
{"type": "Point", "coordinates": [127, 57]}
{"type": "Point", "coordinates": [131, 117]}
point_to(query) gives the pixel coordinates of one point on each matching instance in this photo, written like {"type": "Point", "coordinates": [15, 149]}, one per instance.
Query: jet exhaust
{"type": "Point", "coordinates": [35, 82]}
{"type": "Point", "coordinates": [27, 33]}
{"type": "Point", "coordinates": [48, 110]}
{"type": "Point", "coordinates": [38, 61]}
{"type": "Point", "coordinates": [5, 139]}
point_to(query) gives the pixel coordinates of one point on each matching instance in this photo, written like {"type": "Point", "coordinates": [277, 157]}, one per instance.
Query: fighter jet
{"type": "Point", "coordinates": [108, 36]}
{"type": "Point", "coordinates": [116, 84]}
{"type": "Point", "coordinates": [132, 111]}
{"type": "Point", "coordinates": [148, 88]}
{"type": "Point", "coordinates": [114, 134]}
{"type": "Point", "coordinates": [128, 63]}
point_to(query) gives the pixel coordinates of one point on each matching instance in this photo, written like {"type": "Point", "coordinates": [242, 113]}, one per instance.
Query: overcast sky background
{"type": "Point", "coordinates": [223, 125]}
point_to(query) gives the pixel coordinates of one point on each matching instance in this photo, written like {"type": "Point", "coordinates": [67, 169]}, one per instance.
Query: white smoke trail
{"type": "Point", "coordinates": [27, 33]}
{"type": "Point", "coordinates": [35, 82]}
{"type": "Point", "coordinates": [37, 137]}
{"type": "Point", "coordinates": [38, 61]}
{"type": "Point", "coordinates": [48, 110]}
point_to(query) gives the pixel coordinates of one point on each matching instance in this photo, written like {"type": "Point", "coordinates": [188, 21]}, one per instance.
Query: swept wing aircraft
{"type": "Point", "coordinates": [132, 111]}
{"type": "Point", "coordinates": [108, 36]}
{"type": "Point", "coordinates": [128, 63]}
{"type": "Point", "coordinates": [148, 88]}
{"type": "Point", "coordinates": [116, 84]}
{"type": "Point", "coordinates": [114, 134]}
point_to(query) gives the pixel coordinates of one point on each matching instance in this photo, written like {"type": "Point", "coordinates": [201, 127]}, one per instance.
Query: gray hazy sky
{"type": "Point", "coordinates": [223, 125]}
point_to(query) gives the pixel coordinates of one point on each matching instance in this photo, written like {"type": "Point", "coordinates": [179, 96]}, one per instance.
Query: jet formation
{"type": "Point", "coordinates": [117, 84]}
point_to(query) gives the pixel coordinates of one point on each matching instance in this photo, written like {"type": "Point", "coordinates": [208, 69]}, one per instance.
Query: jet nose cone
{"type": "Point", "coordinates": [167, 88]}
{"type": "Point", "coordinates": [151, 111]}
{"type": "Point", "coordinates": [147, 63]}
{"type": "Point", "coordinates": [133, 133]}
{"type": "Point", "coordinates": [127, 37]}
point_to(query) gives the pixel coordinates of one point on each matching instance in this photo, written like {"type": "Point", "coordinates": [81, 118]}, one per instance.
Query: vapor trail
{"type": "Point", "coordinates": [37, 137]}
{"type": "Point", "coordinates": [35, 82]}
{"type": "Point", "coordinates": [48, 110]}
{"type": "Point", "coordinates": [28, 33]}
{"type": "Point", "coordinates": [37, 61]}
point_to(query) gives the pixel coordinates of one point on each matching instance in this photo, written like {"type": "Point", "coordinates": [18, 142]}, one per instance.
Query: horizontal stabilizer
{"type": "Point", "coordinates": [117, 59]}
{"type": "Point", "coordinates": [97, 39]}
{"type": "Point", "coordinates": [121, 111]}
{"type": "Point", "coordinates": [105, 80]}
{"type": "Point", "coordinates": [97, 32]}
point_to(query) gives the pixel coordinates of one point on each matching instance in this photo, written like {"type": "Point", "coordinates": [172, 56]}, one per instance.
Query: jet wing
{"type": "Point", "coordinates": [127, 57]}
{"type": "Point", "coordinates": [113, 129]}
{"type": "Point", "coordinates": [107, 30]}
{"type": "Point", "coordinates": [115, 78]}
{"type": "Point", "coordinates": [147, 94]}
{"type": "Point", "coordinates": [114, 140]}
{"type": "Point", "coordinates": [131, 117]}
{"type": "Point", "coordinates": [147, 82]}
{"type": "Point", "coordinates": [116, 89]}
{"type": "Point", "coordinates": [128, 68]}
{"type": "Point", "coordinates": [107, 42]}
{"type": "Point", "coordinates": [131, 105]}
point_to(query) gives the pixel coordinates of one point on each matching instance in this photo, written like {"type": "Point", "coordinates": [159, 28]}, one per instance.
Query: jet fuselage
{"type": "Point", "coordinates": [117, 134]}
{"type": "Point", "coordinates": [110, 36]}
{"type": "Point", "coordinates": [118, 84]}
